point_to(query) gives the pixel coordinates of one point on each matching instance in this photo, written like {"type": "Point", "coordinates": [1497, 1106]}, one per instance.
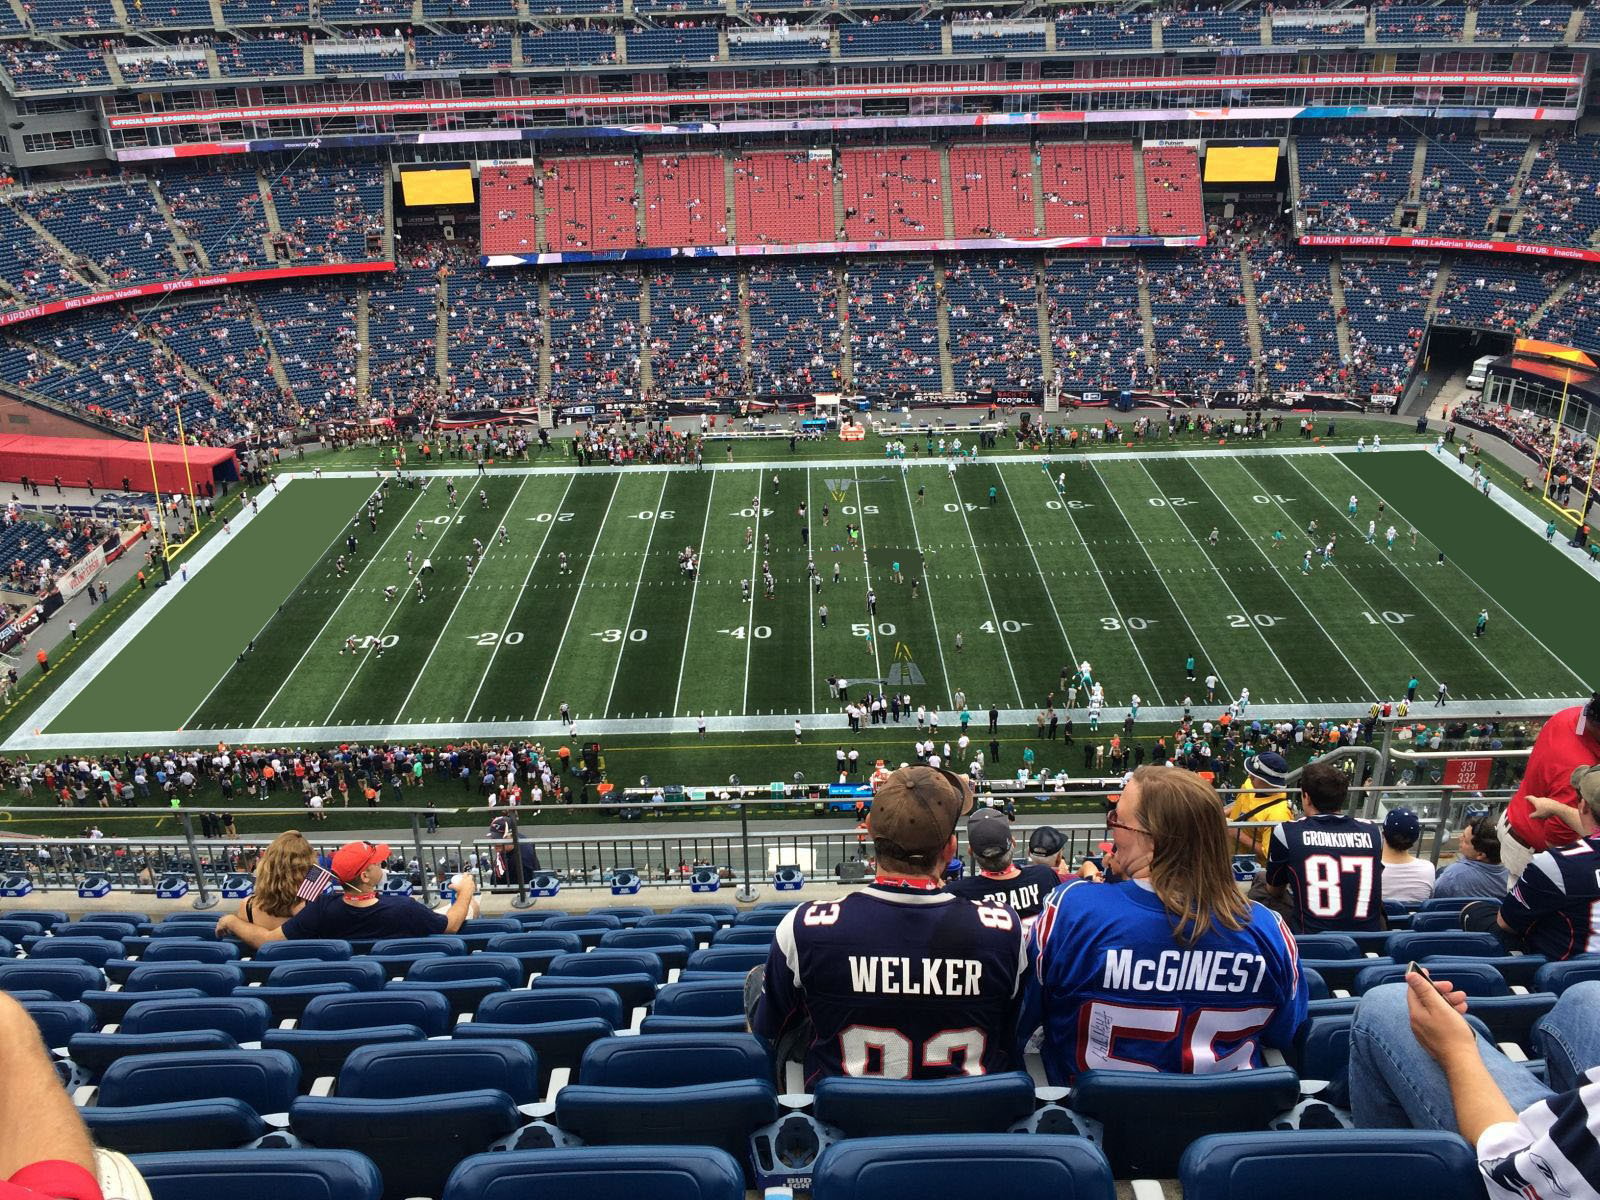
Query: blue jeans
{"type": "Point", "coordinates": [1395, 1084]}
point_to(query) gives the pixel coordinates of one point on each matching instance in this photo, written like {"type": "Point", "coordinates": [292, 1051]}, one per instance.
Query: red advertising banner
{"type": "Point", "coordinates": [1384, 241]}
{"type": "Point", "coordinates": [862, 91]}
{"type": "Point", "coordinates": [163, 287]}
{"type": "Point", "coordinates": [1470, 774]}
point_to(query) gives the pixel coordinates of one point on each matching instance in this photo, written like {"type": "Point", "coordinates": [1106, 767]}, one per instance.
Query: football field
{"type": "Point", "coordinates": [989, 580]}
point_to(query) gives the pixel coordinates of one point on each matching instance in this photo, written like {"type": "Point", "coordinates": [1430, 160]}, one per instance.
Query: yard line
{"type": "Point", "coordinates": [578, 595]}
{"type": "Point", "coordinates": [811, 593]}
{"type": "Point", "coordinates": [1116, 608]}
{"type": "Point", "coordinates": [1156, 571]}
{"type": "Point", "coordinates": [1449, 624]}
{"type": "Point", "coordinates": [1492, 602]}
{"type": "Point", "coordinates": [984, 579]}
{"type": "Point", "coordinates": [1045, 583]}
{"type": "Point", "coordinates": [750, 618]}
{"type": "Point", "coordinates": [866, 570]}
{"type": "Point", "coordinates": [1274, 566]}
{"type": "Point", "coordinates": [456, 607]}
{"type": "Point", "coordinates": [938, 638]}
{"type": "Point", "coordinates": [694, 592]}
{"type": "Point", "coordinates": [644, 560]}
{"type": "Point", "coordinates": [512, 611]}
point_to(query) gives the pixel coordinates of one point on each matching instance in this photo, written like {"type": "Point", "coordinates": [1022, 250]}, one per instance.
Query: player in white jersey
{"type": "Point", "coordinates": [483, 498]}
{"type": "Point", "coordinates": [338, 565]}
{"type": "Point", "coordinates": [565, 568]}
{"type": "Point", "coordinates": [503, 535]}
{"type": "Point", "coordinates": [419, 528]}
{"type": "Point", "coordinates": [351, 643]}
{"type": "Point", "coordinates": [1388, 537]}
{"type": "Point", "coordinates": [388, 594]}
{"type": "Point", "coordinates": [1372, 532]}
{"type": "Point", "coordinates": [410, 559]}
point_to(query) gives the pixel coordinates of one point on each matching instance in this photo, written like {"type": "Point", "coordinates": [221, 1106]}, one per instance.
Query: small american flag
{"type": "Point", "coordinates": [317, 880]}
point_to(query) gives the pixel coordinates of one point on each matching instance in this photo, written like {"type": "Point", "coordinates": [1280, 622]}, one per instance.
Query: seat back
{"type": "Point", "coordinates": [490, 925]}
{"type": "Point", "coordinates": [1475, 979]}
{"type": "Point", "coordinates": [45, 918]}
{"type": "Point", "coordinates": [322, 1052]}
{"type": "Point", "coordinates": [506, 968]}
{"type": "Point", "coordinates": [1446, 903]}
{"type": "Point", "coordinates": [326, 949]}
{"type": "Point", "coordinates": [692, 1173]}
{"type": "Point", "coordinates": [204, 930]}
{"type": "Point", "coordinates": [362, 974]}
{"type": "Point", "coordinates": [93, 1053]}
{"type": "Point", "coordinates": [1441, 921]}
{"type": "Point", "coordinates": [701, 998]}
{"type": "Point", "coordinates": [266, 1080]}
{"type": "Point", "coordinates": [58, 1020]}
{"type": "Point", "coordinates": [1511, 1018]}
{"type": "Point", "coordinates": [700, 924]}
{"type": "Point", "coordinates": [428, 1011]}
{"type": "Point", "coordinates": [722, 914]}
{"type": "Point", "coordinates": [15, 931]}
{"type": "Point", "coordinates": [100, 927]}
{"type": "Point", "coordinates": [1323, 1046]}
{"type": "Point", "coordinates": [608, 962]}
{"type": "Point", "coordinates": [1405, 946]}
{"type": "Point", "coordinates": [214, 979]}
{"type": "Point", "coordinates": [92, 950]}
{"type": "Point", "coordinates": [397, 1070]}
{"type": "Point", "coordinates": [536, 940]}
{"type": "Point", "coordinates": [194, 950]}
{"type": "Point", "coordinates": [963, 1164]}
{"type": "Point", "coordinates": [437, 944]}
{"type": "Point", "coordinates": [243, 1018]}
{"type": "Point", "coordinates": [1324, 1164]}
{"type": "Point", "coordinates": [288, 1003]}
{"type": "Point", "coordinates": [889, 1107]}
{"type": "Point", "coordinates": [672, 1060]}
{"type": "Point", "coordinates": [723, 1115]}
{"type": "Point", "coordinates": [733, 959]}
{"type": "Point", "coordinates": [260, 1175]}
{"type": "Point", "coordinates": [64, 980]}
{"type": "Point", "coordinates": [744, 935]}
{"type": "Point", "coordinates": [526, 1007]}
{"type": "Point", "coordinates": [1557, 977]}
{"type": "Point", "coordinates": [760, 918]}
{"type": "Point", "coordinates": [645, 939]}
{"type": "Point", "coordinates": [1326, 945]}
{"type": "Point", "coordinates": [1191, 1106]}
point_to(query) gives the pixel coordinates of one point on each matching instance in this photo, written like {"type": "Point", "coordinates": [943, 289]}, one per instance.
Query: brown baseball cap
{"type": "Point", "coordinates": [916, 810]}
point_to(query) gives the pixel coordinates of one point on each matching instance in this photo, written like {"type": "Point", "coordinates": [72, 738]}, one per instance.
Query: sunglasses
{"type": "Point", "coordinates": [1113, 821]}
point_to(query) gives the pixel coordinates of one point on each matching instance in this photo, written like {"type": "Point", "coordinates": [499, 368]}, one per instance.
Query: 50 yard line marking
{"type": "Point", "coordinates": [512, 611]}
{"type": "Point", "coordinates": [644, 561]}
{"type": "Point", "coordinates": [694, 593]}
{"type": "Point", "coordinates": [578, 595]}
{"type": "Point", "coordinates": [866, 567]}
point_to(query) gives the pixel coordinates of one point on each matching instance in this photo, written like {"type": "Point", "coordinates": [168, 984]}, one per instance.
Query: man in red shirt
{"type": "Point", "coordinates": [1568, 740]}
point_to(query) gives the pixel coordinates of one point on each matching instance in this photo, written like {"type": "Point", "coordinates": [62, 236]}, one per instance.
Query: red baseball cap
{"type": "Point", "coordinates": [352, 858]}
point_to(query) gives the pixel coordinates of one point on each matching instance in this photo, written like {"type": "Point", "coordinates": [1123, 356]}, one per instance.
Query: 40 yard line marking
{"type": "Point", "coordinates": [644, 560]}
{"type": "Point", "coordinates": [515, 600]}
{"type": "Point", "coordinates": [694, 593]}
{"type": "Point", "coordinates": [750, 617]}
{"type": "Point", "coordinates": [983, 578]}
{"type": "Point", "coordinates": [578, 595]}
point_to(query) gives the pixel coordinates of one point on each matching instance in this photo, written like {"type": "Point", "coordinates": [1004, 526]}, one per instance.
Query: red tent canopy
{"type": "Point", "coordinates": [105, 462]}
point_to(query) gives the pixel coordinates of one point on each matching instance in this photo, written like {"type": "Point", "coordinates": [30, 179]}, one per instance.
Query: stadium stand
{"type": "Point", "coordinates": [992, 191]}
{"type": "Point", "coordinates": [891, 194]}
{"type": "Point", "coordinates": [894, 333]}
{"type": "Point", "coordinates": [567, 47]}
{"type": "Point", "coordinates": [1576, 320]}
{"type": "Point", "coordinates": [994, 322]}
{"type": "Point", "coordinates": [590, 204]}
{"type": "Point", "coordinates": [1463, 183]}
{"type": "Point", "coordinates": [496, 334]}
{"type": "Point", "coordinates": [1197, 306]}
{"type": "Point", "coordinates": [1386, 306]}
{"type": "Point", "coordinates": [594, 333]}
{"type": "Point", "coordinates": [1172, 175]}
{"type": "Point", "coordinates": [1299, 337]}
{"type": "Point", "coordinates": [782, 196]}
{"type": "Point", "coordinates": [1095, 324]}
{"type": "Point", "coordinates": [685, 200]}
{"type": "Point", "coordinates": [1494, 295]}
{"type": "Point", "coordinates": [507, 192]}
{"type": "Point", "coordinates": [1562, 196]}
{"type": "Point", "coordinates": [1351, 183]}
{"type": "Point", "coordinates": [1088, 189]}
{"type": "Point", "coordinates": [890, 39]}
{"type": "Point", "coordinates": [794, 327]}
{"type": "Point", "coordinates": [696, 334]}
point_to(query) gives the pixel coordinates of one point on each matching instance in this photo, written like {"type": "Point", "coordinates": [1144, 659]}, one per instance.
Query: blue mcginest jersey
{"type": "Point", "coordinates": [898, 983]}
{"type": "Point", "coordinates": [1114, 989]}
{"type": "Point", "coordinates": [1555, 906]}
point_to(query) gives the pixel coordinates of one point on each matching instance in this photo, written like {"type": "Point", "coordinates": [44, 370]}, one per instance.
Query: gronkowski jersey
{"type": "Point", "coordinates": [898, 983]}
{"type": "Point", "coordinates": [1025, 892]}
{"type": "Point", "coordinates": [1555, 906]}
{"type": "Point", "coordinates": [1334, 865]}
{"type": "Point", "coordinates": [1113, 989]}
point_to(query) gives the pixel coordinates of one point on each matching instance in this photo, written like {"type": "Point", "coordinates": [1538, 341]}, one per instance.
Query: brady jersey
{"type": "Point", "coordinates": [898, 983]}
{"type": "Point", "coordinates": [1024, 892]}
{"type": "Point", "coordinates": [1334, 865]}
{"type": "Point", "coordinates": [1555, 906]}
{"type": "Point", "coordinates": [1113, 989]}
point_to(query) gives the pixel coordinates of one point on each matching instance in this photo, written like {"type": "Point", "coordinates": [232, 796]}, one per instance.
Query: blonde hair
{"type": "Point", "coordinates": [1191, 868]}
{"type": "Point", "coordinates": [282, 869]}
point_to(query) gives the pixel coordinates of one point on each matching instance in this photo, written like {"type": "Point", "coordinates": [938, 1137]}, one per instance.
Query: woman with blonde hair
{"type": "Point", "coordinates": [280, 872]}
{"type": "Point", "coordinates": [1171, 968]}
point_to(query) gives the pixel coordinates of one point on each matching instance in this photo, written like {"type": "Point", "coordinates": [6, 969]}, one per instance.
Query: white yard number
{"type": "Point", "coordinates": [756, 631]}
{"type": "Point", "coordinates": [650, 514]}
{"type": "Point", "coordinates": [546, 518]}
{"type": "Point", "coordinates": [1274, 498]}
{"type": "Point", "coordinates": [861, 629]}
{"type": "Point", "coordinates": [955, 508]}
{"type": "Point", "coordinates": [1054, 505]}
{"type": "Point", "coordinates": [850, 510]}
{"type": "Point", "coordinates": [1240, 621]}
{"type": "Point", "coordinates": [388, 641]}
{"type": "Point", "coordinates": [1166, 501]}
{"type": "Point", "coordinates": [1112, 624]}
{"type": "Point", "coordinates": [512, 638]}
{"type": "Point", "coordinates": [615, 635]}
{"type": "Point", "coordinates": [1325, 889]}
{"type": "Point", "coordinates": [886, 1053]}
{"type": "Point", "coordinates": [1007, 626]}
{"type": "Point", "coordinates": [1389, 616]}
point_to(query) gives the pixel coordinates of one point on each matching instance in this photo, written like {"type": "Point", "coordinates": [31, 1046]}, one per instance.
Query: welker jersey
{"type": "Point", "coordinates": [898, 983]}
{"type": "Point", "coordinates": [1555, 904]}
{"type": "Point", "coordinates": [1334, 865]}
{"type": "Point", "coordinates": [1113, 989]}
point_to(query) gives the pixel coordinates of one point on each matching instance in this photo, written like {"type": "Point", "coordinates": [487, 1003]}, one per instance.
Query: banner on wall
{"type": "Point", "coordinates": [78, 576]}
{"type": "Point", "coordinates": [1387, 242]}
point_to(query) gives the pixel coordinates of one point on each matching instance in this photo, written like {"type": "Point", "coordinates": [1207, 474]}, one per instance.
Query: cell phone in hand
{"type": "Point", "coordinates": [1414, 965]}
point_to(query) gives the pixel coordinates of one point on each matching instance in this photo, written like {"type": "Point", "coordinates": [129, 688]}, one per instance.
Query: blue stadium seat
{"type": "Point", "coordinates": [525, 1006]}
{"type": "Point", "coordinates": [1516, 969]}
{"type": "Point", "coordinates": [477, 925]}
{"type": "Point", "coordinates": [414, 1146]}
{"type": "Point", "coordinates": [675, 1060]}
{"type": "Point", "coordinates": [261, 1175]}
{"type": "Point", "coordinates": [1403, 947]}
{"type": "Point", "coordinates": [324, 949]}
{"type": "Point", "coordinates": [894, 1107]}
{"type": "Point", "coordinates": [557, 1045]}
{"type": "Point", "coordinates": [598, 1173]}
{"type": "Point", "coordinates": [667, 1023]}
{"type": "Point", "coordinates": [760, 918]}
{"type": "Point", "coordinates": [722, 914]}
{"type": "Point", "coordinates": [58, 1020]}
{"type": "Point", "coordinates": [589, 930]}
{"type": "Point", "coordinates": [136, 919]}
{"type": "Point", "coordinates": [427, 1010]}
{"type": "Point", "coordinates": [1446, 903]}
{"type": "Point", "coordinates": [1340, 973]}
{"type": "Point", "coordinates": [287, 1003]}
{"type": "Point", "coordinates": [671, 946]}
{"type": "Point", "coordinates": [94, 1052]}
{"type": "Point", "coordinates": [361, 974]}
{"type": "Point", "coordinates": [63, 980]}
{"type": "Point", "coordinates": [15, 931]}
{"type": "Point", "coordinates": [1316, 985]}
{"type": "Point", "coordinates": [113, 931]}
{"type": "Point", "coordinates": [437, 944]}
{"type": "Point", "coordinates": [189, 918]}
{"type": "Point", "coordinates": [462, 995]}
{"type": "Point", "coordinates": [535, 919]}
{"type": "Point", "coordinates": [737, 960]}
{"type": "Point", "coordinates": [506, 969]}
{"type": "Point", "coordinates": [609, 962]}
{"type": "Point", "coordinates": [1557, 977]}
{"type": "Point", "coordinates": [964, 1165]}
{"type": "Point", "coordinates": [635, 991]}
{"type": "Point", "coordinates": [92, 950]}
{"type": "Point", "coordinates": [45, 918]}
{"type": "Point", "coordinates": [1322, 1047]}
{"type": "Point", "coordinates": [190, 950]}
{"type": "Point", "coordinates": [1326, 945]}
{"type": "Point", "coordinates": [396, 1070]}
{"type": "Point", "coordinates": [701, 925]}
{"type": "Point", "coordinates": [744, 935]}
{"type": "Point", "coordinates": [535, 949]}
{"type": "Point", "coordinates": [1475, 979]}
{"type": "Point", "coordinates": [190, 1100]}
{"type": "Point", "coordinates": [1441, 921]}
{"type": "Point", "coordinates": [701, 998]}
{"type": "Point", "coordinates": [723, 1115]}
{"type": "Point", "coordinates": [1329, 1165]}
{"type": "Point", "coordinates": [1511, 1018]}
{"type": "Point", "coordinates": [214, 979]}
{"type": "Point", "coordinates": [204, 930]}
{"type": "Point", "coordinates": [629, 914]}
{"type": "Point", "coordinates": [322, 1052]}
{"type": "Point", "coordinates": [243, 1018]}
{"type": "Point", "coordinates": [1190, 1106]}
{"type": "Point", "coordinates": [1371, 941]}
{"type": "Point", "coordinates": [1332, 1007]}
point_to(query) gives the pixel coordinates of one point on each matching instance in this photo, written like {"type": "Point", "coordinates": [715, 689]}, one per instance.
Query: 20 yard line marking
{"type": "Point", "coordinates": [512, 611]}
{"type": "Point", "coordinates": [694, 593]}
{"type": "Point", "coordinates": [644, 560]}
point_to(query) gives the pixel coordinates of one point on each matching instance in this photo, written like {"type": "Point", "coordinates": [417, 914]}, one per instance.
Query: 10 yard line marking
{"type": "Point", "coordinates": [644, 561]}
{"type": "Point", "coordinates": [577, 595]}
{"type": "Point", "coordinates": [938, 637]}
{"type": "Point", "coordinates": [694, 593]}
{"type": "Point", "coordinates": [517, 599]}
{"type": "Point", "coordinates": [460, 596]}
{"type": "Point", "coordinates": [984, 579]}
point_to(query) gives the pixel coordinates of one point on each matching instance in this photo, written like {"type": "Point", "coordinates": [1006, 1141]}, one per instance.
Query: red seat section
{"type": "Point", "coordinates": [590, 204]}
{"type": "Point", "coordinates": [1088, 189]}
{"type": "Point", "coordinates": [782, 198]}
{"type": "Point", "coordinates": [992, 191]}
{"type": "Point", "coordinates": [891, 195]}
{"type": "Point", "coordinates": [1172, 189]}
{"type": "Point", "coordinates": [505, 210]}
{"type": "Point", "coordinates": [685, 200]}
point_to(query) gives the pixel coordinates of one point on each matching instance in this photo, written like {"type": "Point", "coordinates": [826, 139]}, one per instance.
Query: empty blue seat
{"type": "Point", "coordinates": [1511, 1018]}
{"type": "Point", "coordinates": [1322, 1047]}
{"type": "Point", "coordinates": [1329, 1164]}
{"type": "Point", "coordinates": [1316, 985]}
{"type": "Point", "coordinates": [1446, 903]}
{"type": "Point", "coordinates": [243, 1018]}
{"type": "Point", "coordinates": [555, 1044]}
{"type": "Point", "coordinates": [700, 924]}
{"type": "Point", "coordinates": [736, 960]}
{"type": "Point", "coordinates": [675, 1060]}
{"type": "Point", "coordinates": [504, 968]}
{"type": "Point", "coordinates": [261, 1175]}
{"type": "Point", "coordinates": [525, 1006]}
{"type": "Point", "coordinates": [65, 980]}
{"type": "Point", "coordinates": [1442, 921]}
{"type": "Point", "coordinates": [214, 979]}
{"type": "Point", "coordinates": [1475, 979]}
{"type": "Point", "coordinates": [476, 925]}
{"type": "Point", "coordinates": [287, 1003]}
{"type": "Point", "coordinates": [58, 1020]}
{"type": "Point", "coordinates": [635, 991]}
{"type": "Point", "coordinates": [205, 930]}
{"type": "Point", "coordinates": [190, 950]}
{"type": "Point", "coordinates": [427, 1010]}
{"type": "Point", "coordinates": [92, 950]}
{"type": "Point", "coordinates": [1190, 1106]}
{"type": "Point", "coordinates": [113, 931]}
{"type": "Point", "coordinates": [536, 949]}
{"type": "Point", "coordinates": [722, 914]}
{"type": "Point", "coordinates": [189, 918]}
{"type": "Point", "coordinates": [629, 914]}
{"type": "Point", "coordinates": [1340, 973]}
{"type": "Point", "coordinates": [1403, 947]}
{"type": "Point", "coordinates": [438, 944]}
{"type": "Point", "coordinates": [669, 1023]}
{"type": "Point", "coordinates": [94, 1052]}
{"type": "Point", "coordinates": [671, 946]}
{"type": "Point", "coordinates": [599, 1173]}
{"type": "Point", "coordinates": [322, 1052]}
{"type": "Point", "coordinates": [325, 949]}
{"type": "Point", "coordinates": [136, 919]}
{"type": "Point", "coordinates": [890, 1107]}
{"type": "Point", "coordinates": [760, 918]}
{"type": "Point", "coordinates": [535, 919]}
{"type": "Point", "coordinates": [589, 930]}
{"type": "Point", "coordinates": [361, 974]}
{"type": "Point", "coordinates": [723, 1115]}
{"type": "Point", "coordinates": [110, 1007]}
{"type": "Point", "coordinates": [45, 918]}
{"type": "Point", "coordinates": [963, 1165]}
{"type": "Point", "coordinates": [744, 935]}
{"type": "Point", "coordinates": [1557, 977]}
{"type": "Point", "coordinates": [609, 962]}
{"type": "Point", "coordinates": [395, 1070]}
{"type": "Point", "coordinates": [462, 995]}
{"type": "Point", "coordinates": [701, 998]}
{"type": "Point", "coordinates": [1326, 945]}
{"type": "Point", "coordinates": [190, 1100]}
{"type": "Point", "coordinates": [1518, 969]}
{"type": "Point", "coordinates": [15, 931]}
{"type": "Point", "coordinates": [1332, 1006]}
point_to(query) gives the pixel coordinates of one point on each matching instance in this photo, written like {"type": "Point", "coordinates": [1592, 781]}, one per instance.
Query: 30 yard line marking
{"type": "Point", "coordinates": [644, 561]}
{"type": "Point", "coordinates": [561, 642]}
{"type": "Point", "coordinates": [512, 611]}
{"type": "Point", "coordinates": [866, 570]}
{"type": "Point", "coordinates": [933, 613]}
{"type": "Point", "coordinates": [1051, 600]}
{"type": "Point", "coordinates": [456, 607]}
{"type": "Point", "coordinates": [1415, 586]}
{"type": "Point", "coordinates": [750, 617]}
{"type": "Point", "coordinates": [983, 578]}
{"type": "Point", "coordinates": [694, 592]}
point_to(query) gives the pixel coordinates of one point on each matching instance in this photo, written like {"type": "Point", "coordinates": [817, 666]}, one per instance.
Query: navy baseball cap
{"type": "Point", "coordinates": [1403, 823]}
{"type": "Point", "coordinates": [1045, 841]}
{"type": "Point", "coordinates": [1271, 768]}
{"type": "Point", "coordinates": [988, 832]}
